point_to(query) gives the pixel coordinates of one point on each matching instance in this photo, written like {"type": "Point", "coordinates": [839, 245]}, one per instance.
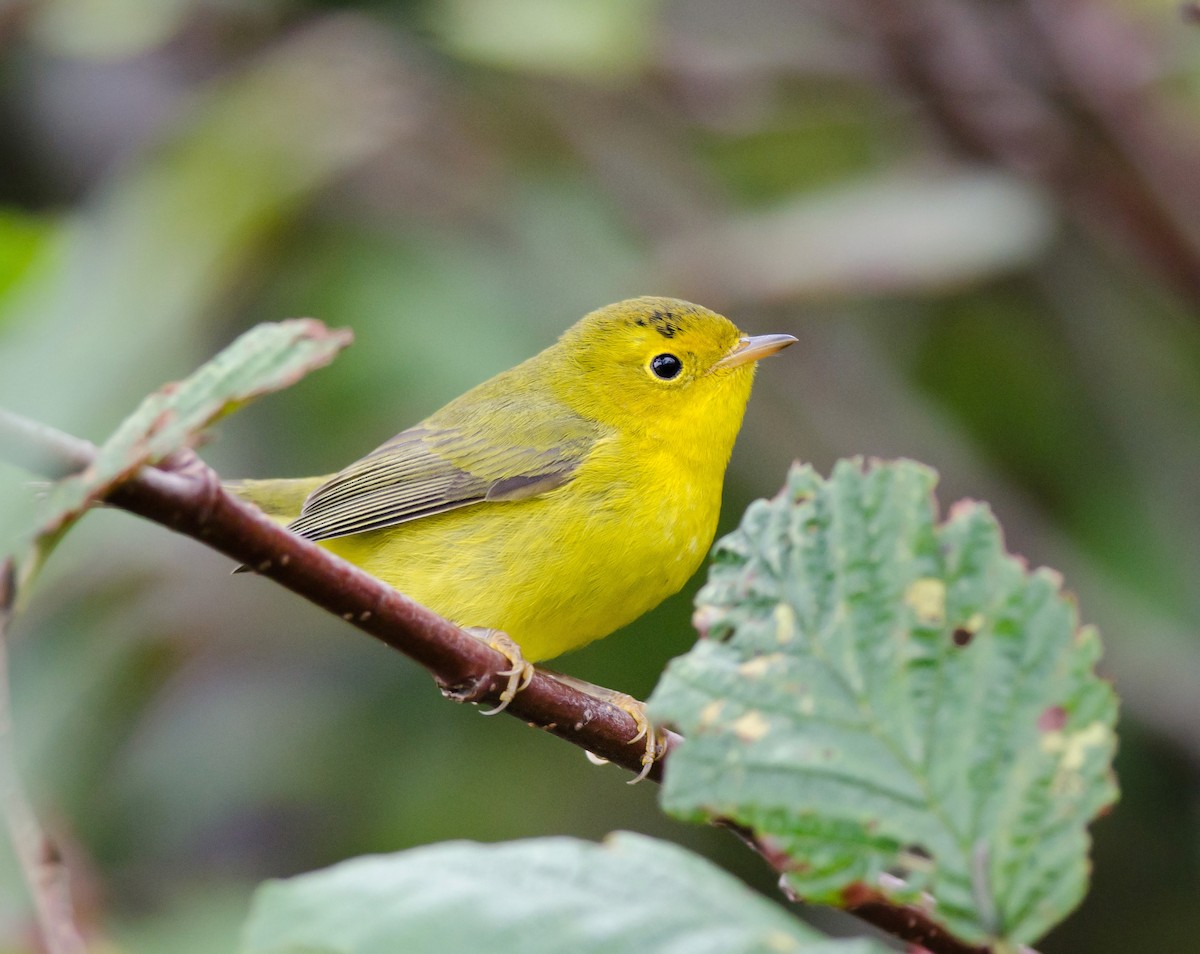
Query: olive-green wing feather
{"type": "Point", "coordinates": [494, 451]}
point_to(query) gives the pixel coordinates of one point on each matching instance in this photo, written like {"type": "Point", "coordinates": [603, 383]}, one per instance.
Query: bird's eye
{"type": "Point", "coordinates": [666, 366]}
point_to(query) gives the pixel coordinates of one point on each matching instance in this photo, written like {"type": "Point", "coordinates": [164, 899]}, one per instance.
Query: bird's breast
{"type": "Point", "coordinates": [661, 502]}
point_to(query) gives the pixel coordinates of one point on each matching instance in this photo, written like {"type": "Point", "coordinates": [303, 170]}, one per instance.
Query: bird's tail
{"type": "Point", "coordinates": [280, 499]}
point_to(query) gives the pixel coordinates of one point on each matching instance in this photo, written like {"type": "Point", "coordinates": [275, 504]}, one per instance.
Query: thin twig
{"type": "Point", "coordinates": [42, 449]}
{"type": "Point", "coordinates": [43, 869]}
{"type": "Point", "coordinates": [189, 499]}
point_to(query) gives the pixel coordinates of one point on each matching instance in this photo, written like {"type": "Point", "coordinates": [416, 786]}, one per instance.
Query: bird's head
{"type": "Point", "coordinates": [662, 366]}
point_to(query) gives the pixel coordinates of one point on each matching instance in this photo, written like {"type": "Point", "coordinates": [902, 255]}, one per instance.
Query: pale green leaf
{"type": "Point", "coordinates": [541, 896]}
{"type": "Point", "coordinates": [896, 705]}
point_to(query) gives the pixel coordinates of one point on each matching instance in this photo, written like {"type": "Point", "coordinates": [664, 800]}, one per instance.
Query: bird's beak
{"type": "Point", "coordinates": [754, 349]}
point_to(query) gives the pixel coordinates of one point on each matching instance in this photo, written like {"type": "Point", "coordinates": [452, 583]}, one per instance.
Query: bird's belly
{"type": "Point", "coordinates": [553, 572]}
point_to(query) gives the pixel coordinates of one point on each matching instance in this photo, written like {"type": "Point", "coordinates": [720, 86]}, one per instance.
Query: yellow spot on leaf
{"type": "Point", "coordinates": [1072, 748]}
{"type": "Point", "coordinates": [758, 666]}
{"type": "Point", "coordinates": [975, 623]}
{"type": "Point", "coordinates": [785, 623]}
{"type": "Point", "coordinates": [1074, 745]}
{"type": "Point", "coordinates": [751, 727]}
{"type": "Point", "coordinates": [927, 597]}
{"type": "Point", "coordinates": [711, 712]}
{"type": "Point", "coordinates": [778, 941]}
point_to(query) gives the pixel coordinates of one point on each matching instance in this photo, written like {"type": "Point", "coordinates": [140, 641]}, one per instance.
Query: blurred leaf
{"type": "Point", "coordinates": [21, 238]}
{"type": "Point", "coordinates": [598, 38]}
{"type": "Point", "coordinates": [884, 235]}
{"type": "Point", "coordinates": [880, 694]}
{"type": "Point", "coordinates": [110, 29]}
{"type": "Point", "coordinates": [201, 919]}
{"type": "Point", "coordinates": [154, 249]}
{"type": "Point", "coordinates": [264, 359]}
{"type": "Point", "coordinates": [631, 893]}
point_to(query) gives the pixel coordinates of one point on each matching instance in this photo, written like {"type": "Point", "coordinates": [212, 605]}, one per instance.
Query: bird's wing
{"type": "Point", "coordinates": [495, 453]}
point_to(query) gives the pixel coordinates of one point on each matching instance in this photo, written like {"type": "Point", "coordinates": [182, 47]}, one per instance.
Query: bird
{"type": "Point", "coordinates": [559, 500]}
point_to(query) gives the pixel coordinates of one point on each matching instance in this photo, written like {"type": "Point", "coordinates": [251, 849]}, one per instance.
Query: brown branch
{"type": "Point", "coordinates": [910, 924]}
{"type": "Point", "coordinates": [186, 496]}
{"type": "Point", "coordinates": [38, 856]}
{"type": "Point", "coordinates": [13, 17]}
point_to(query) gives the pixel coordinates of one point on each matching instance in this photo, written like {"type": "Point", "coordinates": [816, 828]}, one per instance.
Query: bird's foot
{"type": "Point", "coordinates": [519, 674]}
{"type": "Point", "coordinates": [655, 740]}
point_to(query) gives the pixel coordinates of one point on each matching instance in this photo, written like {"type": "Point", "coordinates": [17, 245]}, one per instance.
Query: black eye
{"type": "Point", "coordinates": [666, 366]}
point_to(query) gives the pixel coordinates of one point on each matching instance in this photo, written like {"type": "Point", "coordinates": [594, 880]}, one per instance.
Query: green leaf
{"type": "Point", "coordinates": [540, 896]}
{"type": "Point", "coordinates": [264, 359]}
{"type": "Point", "coordinates": [897, 706]}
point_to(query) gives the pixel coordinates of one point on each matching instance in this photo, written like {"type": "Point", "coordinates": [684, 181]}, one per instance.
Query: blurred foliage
{"type": "Point", "coordinates": [458, 183]}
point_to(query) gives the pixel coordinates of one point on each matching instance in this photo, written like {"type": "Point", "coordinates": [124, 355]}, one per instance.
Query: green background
{"type": "Point", "coordinates": [458, 181]}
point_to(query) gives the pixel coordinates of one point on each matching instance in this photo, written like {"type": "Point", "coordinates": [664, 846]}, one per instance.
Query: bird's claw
{"type": "Point", "coordinates": [655, 741]}
{"type": "Point", "coordinates": [520, 673]}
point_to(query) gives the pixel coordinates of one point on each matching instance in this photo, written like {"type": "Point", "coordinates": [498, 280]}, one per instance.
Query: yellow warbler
{"type": "Point", "coordinates": [560, 499]}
